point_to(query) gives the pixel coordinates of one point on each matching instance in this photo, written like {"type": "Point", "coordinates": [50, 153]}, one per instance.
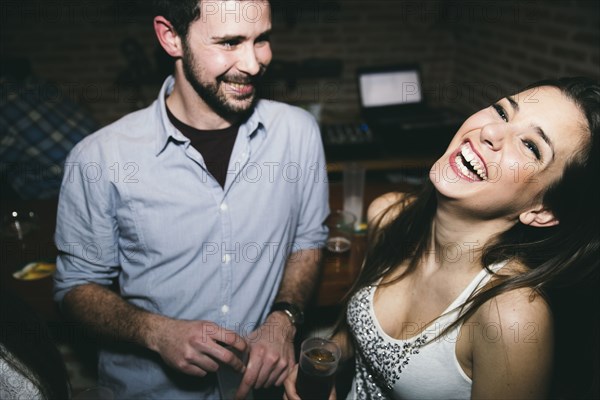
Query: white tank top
{"type": "Point", "coordinates": [422, 367]}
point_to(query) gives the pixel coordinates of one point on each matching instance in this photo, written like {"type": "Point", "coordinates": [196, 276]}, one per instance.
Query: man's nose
{"type": "Point", "coordinates": [248, 61]}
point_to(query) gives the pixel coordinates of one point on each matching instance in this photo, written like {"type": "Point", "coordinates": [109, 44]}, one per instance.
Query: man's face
{"type": "Point", "coordinates": [226, 52]}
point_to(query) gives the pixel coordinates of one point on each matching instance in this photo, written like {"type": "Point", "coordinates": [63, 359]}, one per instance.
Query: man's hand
{"type": "Point", "coordinates": [196, 347]}
{"type": "Point", "coordinates": [271, 354]}
{"type": "Point", "coordinates": [193, 347]}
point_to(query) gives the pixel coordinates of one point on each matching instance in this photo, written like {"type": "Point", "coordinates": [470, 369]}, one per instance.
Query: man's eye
{"type": "Point", "coordinates": [230, 44]}
{"type": "Point", "coordinates": [533, 148]}
{"type": "Point", "coordinates": [501, 112]}
{"type": "Point", "coordinates": [263, 39]}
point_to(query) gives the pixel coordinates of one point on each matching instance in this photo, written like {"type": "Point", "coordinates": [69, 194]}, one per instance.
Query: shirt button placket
{"type": "Point", "coordinates": [226, 272]}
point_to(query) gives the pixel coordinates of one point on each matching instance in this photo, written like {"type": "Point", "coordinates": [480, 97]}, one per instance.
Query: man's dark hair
{"type": "Point", "coordinates": [181, 13]}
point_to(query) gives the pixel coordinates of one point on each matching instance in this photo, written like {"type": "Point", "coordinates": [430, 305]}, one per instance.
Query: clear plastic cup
{"type": "Point", "coordinates": [319, 359]}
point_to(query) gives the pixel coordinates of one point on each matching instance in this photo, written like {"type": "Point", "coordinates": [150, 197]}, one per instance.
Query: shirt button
{"type": "Point", "coordinates": [226, 258]}
{"type": "Point", "coordinates": [223, 207]}
{"type": "Point", "coordinates": [225, 309]}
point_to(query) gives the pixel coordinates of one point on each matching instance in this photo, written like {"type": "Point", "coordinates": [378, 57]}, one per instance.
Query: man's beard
{"type": "Point", "coordinates": [209, 91]}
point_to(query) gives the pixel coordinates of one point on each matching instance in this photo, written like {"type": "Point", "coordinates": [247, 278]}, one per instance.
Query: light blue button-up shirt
{"type": "Point", "coordinates": [138, 204]}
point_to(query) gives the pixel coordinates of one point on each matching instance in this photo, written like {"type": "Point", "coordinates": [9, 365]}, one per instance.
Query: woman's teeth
{"type": "Point", "coordinates": [473, 161]}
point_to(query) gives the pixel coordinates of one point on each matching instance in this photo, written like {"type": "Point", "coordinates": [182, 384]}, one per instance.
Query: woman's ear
{"type": "Point", "coordinates": [540, 218]}
{"type": "Point", "coordinates": [167, 37]}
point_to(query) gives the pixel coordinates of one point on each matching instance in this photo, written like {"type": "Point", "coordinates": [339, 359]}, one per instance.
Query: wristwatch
{"type": "Point", "coordinates": [294, 313]}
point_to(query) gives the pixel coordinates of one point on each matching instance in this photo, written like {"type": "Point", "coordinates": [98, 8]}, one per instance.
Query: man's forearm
{"type": "Point", "coordinates": [300, 277]}
{"type": "Point", "coordinates": [108, 315]}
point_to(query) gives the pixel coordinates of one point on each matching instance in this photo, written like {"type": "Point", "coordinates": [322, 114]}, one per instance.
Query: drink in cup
{"type": "Point", "coordinates": [338, 244]}
{"type": "Point", "coordinates": [341, 229]}
{"type": "Point", "coordinates": [319, 359]}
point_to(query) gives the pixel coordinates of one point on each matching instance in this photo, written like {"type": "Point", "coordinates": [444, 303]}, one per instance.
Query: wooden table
{"type": "Point", "coordinates": [388, 164]}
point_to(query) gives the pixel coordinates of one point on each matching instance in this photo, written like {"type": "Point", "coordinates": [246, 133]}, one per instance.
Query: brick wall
{"type": "Point", "coordinates": [365, 33]}
{"type": "Point", "coordinates": [76, 45]}
{"type": "Point", "coordinates": [502, 46]}
{"type": "Point", "coordinates": [470, 51]}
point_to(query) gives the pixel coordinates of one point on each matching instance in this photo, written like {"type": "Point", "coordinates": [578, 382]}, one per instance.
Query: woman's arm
{"type": "Point", "coordinates": [342, 338]}
{"type": "Point", "coordinates": [512, 347]}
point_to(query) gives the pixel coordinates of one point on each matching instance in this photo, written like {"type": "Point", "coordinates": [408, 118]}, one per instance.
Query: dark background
{"type": "Point", "coordinates": [103, 53]}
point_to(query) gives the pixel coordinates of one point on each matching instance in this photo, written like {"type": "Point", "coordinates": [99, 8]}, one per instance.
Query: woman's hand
{"type": "Point", "coordinates": [290, 386]}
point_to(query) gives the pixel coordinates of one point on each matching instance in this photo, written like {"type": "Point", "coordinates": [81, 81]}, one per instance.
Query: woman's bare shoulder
{"type": "Point", "coordinates": [377, 213]}
{"type": "Point", "coordinates": [518, 307]}
{"type": "Point", "coordinates": [517, 304]}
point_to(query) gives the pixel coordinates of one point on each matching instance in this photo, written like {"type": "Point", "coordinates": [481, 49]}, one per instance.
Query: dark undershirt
{"type": "Point", "coordinates": [215, 146]}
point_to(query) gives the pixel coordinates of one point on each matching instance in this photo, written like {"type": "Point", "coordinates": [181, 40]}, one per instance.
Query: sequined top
{"type": "Point", "coordinates": [14, 385]}
{"type": "Point", "coordinates": [422, 367]}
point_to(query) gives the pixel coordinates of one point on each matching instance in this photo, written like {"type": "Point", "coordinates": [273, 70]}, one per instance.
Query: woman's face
{"type": "Point", "coordinates": [503, 157]}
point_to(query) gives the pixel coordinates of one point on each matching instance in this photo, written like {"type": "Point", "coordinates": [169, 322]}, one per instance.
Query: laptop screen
{"type": "Point", "coordinates": [390, 88]}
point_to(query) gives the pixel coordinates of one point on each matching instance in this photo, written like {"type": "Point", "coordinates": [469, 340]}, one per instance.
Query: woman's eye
{"type": "Point", "coordinates": [500, 110]}
{"type": "Point", "coordinates": [533, 148]}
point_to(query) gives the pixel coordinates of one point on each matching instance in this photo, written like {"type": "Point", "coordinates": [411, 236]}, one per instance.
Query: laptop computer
{"type": "Point", "coordinates": [394, 106]}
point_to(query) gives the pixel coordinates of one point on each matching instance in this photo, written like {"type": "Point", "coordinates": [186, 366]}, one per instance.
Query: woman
{"type": "Point", "coordinates": [451, 299]}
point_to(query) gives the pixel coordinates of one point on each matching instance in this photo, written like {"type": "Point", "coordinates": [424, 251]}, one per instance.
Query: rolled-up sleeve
{"type": "Point", "coordinates": [86, 230]}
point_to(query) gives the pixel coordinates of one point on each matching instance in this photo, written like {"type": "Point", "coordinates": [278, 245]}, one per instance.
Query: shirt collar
{"type": "Point", "coordinates": [168, 132]}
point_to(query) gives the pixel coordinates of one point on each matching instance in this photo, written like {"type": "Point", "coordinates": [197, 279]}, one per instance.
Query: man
{"type": "Point", "coordinates": [212, 248]}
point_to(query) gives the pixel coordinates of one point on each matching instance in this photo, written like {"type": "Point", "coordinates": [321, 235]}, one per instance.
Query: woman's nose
{"type": "Point", "coordinates": [494, 134]}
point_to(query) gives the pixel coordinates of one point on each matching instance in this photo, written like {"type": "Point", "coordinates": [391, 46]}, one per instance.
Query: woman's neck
{"type": "Point", "coordinates": [457, 241]}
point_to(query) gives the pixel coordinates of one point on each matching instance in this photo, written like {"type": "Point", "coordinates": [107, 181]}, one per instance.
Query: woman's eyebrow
{"type": "Point", "coordinates": [513, 103]}
{"type": "Point", "coordinates": [544, 137]}
{"type": "Point", "coordinates": [540, 132]}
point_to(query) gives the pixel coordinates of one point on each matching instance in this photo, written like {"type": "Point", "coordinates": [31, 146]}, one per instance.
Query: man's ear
{"type": "Point", "coordinates": [540, 218]}
{"type": "Point", "coordinates": [167, 37]}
